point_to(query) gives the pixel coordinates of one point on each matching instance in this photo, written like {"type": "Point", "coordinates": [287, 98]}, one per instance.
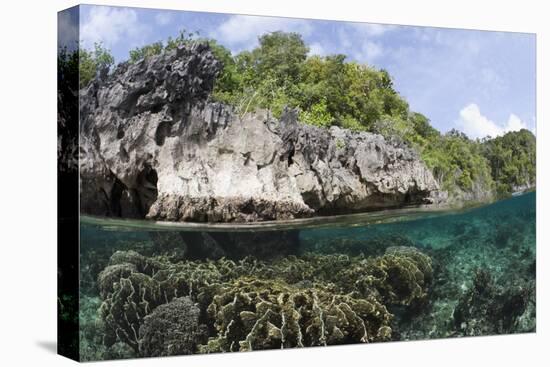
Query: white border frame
{"type": "Point", "coordinates": [28, 272]}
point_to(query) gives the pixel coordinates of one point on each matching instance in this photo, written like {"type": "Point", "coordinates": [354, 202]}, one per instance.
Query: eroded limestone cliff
{"type": "Point", "coordinates": [152, 145]}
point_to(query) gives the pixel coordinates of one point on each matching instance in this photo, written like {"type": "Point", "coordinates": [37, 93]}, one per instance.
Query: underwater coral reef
{"type": "Point", "coordinates": [251, 304]}
{"type": "Point", "coordinates": [146, 297]}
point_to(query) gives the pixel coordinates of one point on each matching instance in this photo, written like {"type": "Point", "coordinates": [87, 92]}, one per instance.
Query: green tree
{"type": "Point", "coordinates": [421, 125]}
{"type": "Point", "coordinates": [94, 61]}
{"type": "Point", "coordinates": [331, 90]}
{"type": "Point", "coordinates": [512, 158]}
{"type": "Point", "coordinates": [279, 55]}
{"type": "Point", "coordinates": [317, 115]}
{"type": "Point", "coordinates": [155, 48]}
{"type": "Point", "coordinates": [229, 80]}
{"type": "Point", "coordinates": [143, 52]}
{"type": "Point", "coordinates": [182, 38]}
{"type": "Point", "coordinates": [458, 163]}
{"type": "Point", "coordinates": [266, 77]}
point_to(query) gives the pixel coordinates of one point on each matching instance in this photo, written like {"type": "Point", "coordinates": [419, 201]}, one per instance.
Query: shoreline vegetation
{"type": "Point", "coordinates": [331, 91]}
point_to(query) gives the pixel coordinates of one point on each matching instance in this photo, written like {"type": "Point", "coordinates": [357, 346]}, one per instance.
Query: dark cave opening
{"type": "Point", "coordinates": [135, 201]}
{"type": "Point", "coordinates": [147, 191]}
{"type": "Point", "coordinates": [163, 130]}
{"type": "Point", "coordinates": [115, 199]}
{"type": "Point", "coordinates": [291, 156]}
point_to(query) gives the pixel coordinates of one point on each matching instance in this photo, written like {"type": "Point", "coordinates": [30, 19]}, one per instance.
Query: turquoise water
{"type": "Point", "coordinates": [443, 229]}
{"type": "Point", "coordinates": [396, 275]}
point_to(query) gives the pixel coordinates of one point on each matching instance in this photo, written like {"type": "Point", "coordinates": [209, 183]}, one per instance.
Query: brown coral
{"type": "Point", "coordinates": [250, 304]}
{"type": "Point", "coordinates": [171, 329]}
{"type": "Point", "coordinates": [252, 314]}
{"type": "Point", "coordinates": [124, 309]}
{"type": "Point", "coordinates": [400, 276]}
{"type": "Point", "coordinates": [134, 285]}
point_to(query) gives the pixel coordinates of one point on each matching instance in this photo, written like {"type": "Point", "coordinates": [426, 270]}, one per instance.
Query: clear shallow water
{"type": "Point", "coordinates": [480, 279]}
{"type": "Point", "coordinates": [437, 230]}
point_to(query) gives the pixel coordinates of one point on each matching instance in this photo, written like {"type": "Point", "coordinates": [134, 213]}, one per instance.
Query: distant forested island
{"type": "Point", "coordinates": [332, 91]}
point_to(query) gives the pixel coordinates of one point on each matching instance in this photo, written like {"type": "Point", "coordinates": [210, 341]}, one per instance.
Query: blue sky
{"type": "Point", "coordinates": [480, 82]}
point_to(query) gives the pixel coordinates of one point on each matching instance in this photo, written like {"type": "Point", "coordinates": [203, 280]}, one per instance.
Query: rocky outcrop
{"type": "Point", "coordinates": [153, 146]}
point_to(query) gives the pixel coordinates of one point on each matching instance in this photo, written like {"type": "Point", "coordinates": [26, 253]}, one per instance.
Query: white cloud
{"type": "Point", "coordinates": [369, 51]}
{"type": "Point", "coordinates": [515, 124]}
{"type": "Point", "coordinates": [163, 18]}
{"type": "Point", "coordinates": [423, 34]}
{"type": "Point", "coordinates": [373, 29]}
{"type": "Point", "coordinates": [476, 125]}
{"type": "Point", "coordinates": [364, 51]}
{"type": "Point", "coordinates": [360, 40]}
{"type": "Point", "coordinates": [111, 25]}
{"type": "Point", "coordinates": [534, 124]}
{"type": "Point", "coordinates": [490, 76]}
{"type": "Point", "coordinates": [241, 32]}
{"type": "Point", "coordinates": [344, 39]}
{"type": "Point", "coordinates": [317, 49]}
{"type": "Point", "coordinates": [491, 82]}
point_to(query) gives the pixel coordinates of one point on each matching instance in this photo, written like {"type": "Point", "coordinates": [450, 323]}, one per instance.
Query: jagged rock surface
{"type": "Point", "coordinates": [153, 146]}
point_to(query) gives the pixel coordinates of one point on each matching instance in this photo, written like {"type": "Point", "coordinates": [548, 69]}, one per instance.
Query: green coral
{"type": "Point", "coordinates": [132, 286]}
{"type": "Point", "coordinates": [400, 276]}
{"type": "Point", "coordinates": [124, 309]}
{"type": "Point", "coordinates": [172, 329]}
{"type": "Point", "coordinates": [252, 314]}
{"type": "Point", "coordinates": [250, 304]}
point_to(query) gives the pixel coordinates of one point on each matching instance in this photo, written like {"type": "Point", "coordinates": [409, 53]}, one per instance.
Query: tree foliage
{"type": "Point", "coordinates": [458, 163]}
{"type": "Point", "coordinates": [158, 47]}
{"type": "Point", "coordinates": [93, 62]}
{"type": "Point", "coordinates": [512, 158]}
{"type": "Point", "coordinates": [326, 90]}
{"type": "Point", "coordinates": [143, 52]}
{"type": "Point", "coordinates": [332, 91]}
